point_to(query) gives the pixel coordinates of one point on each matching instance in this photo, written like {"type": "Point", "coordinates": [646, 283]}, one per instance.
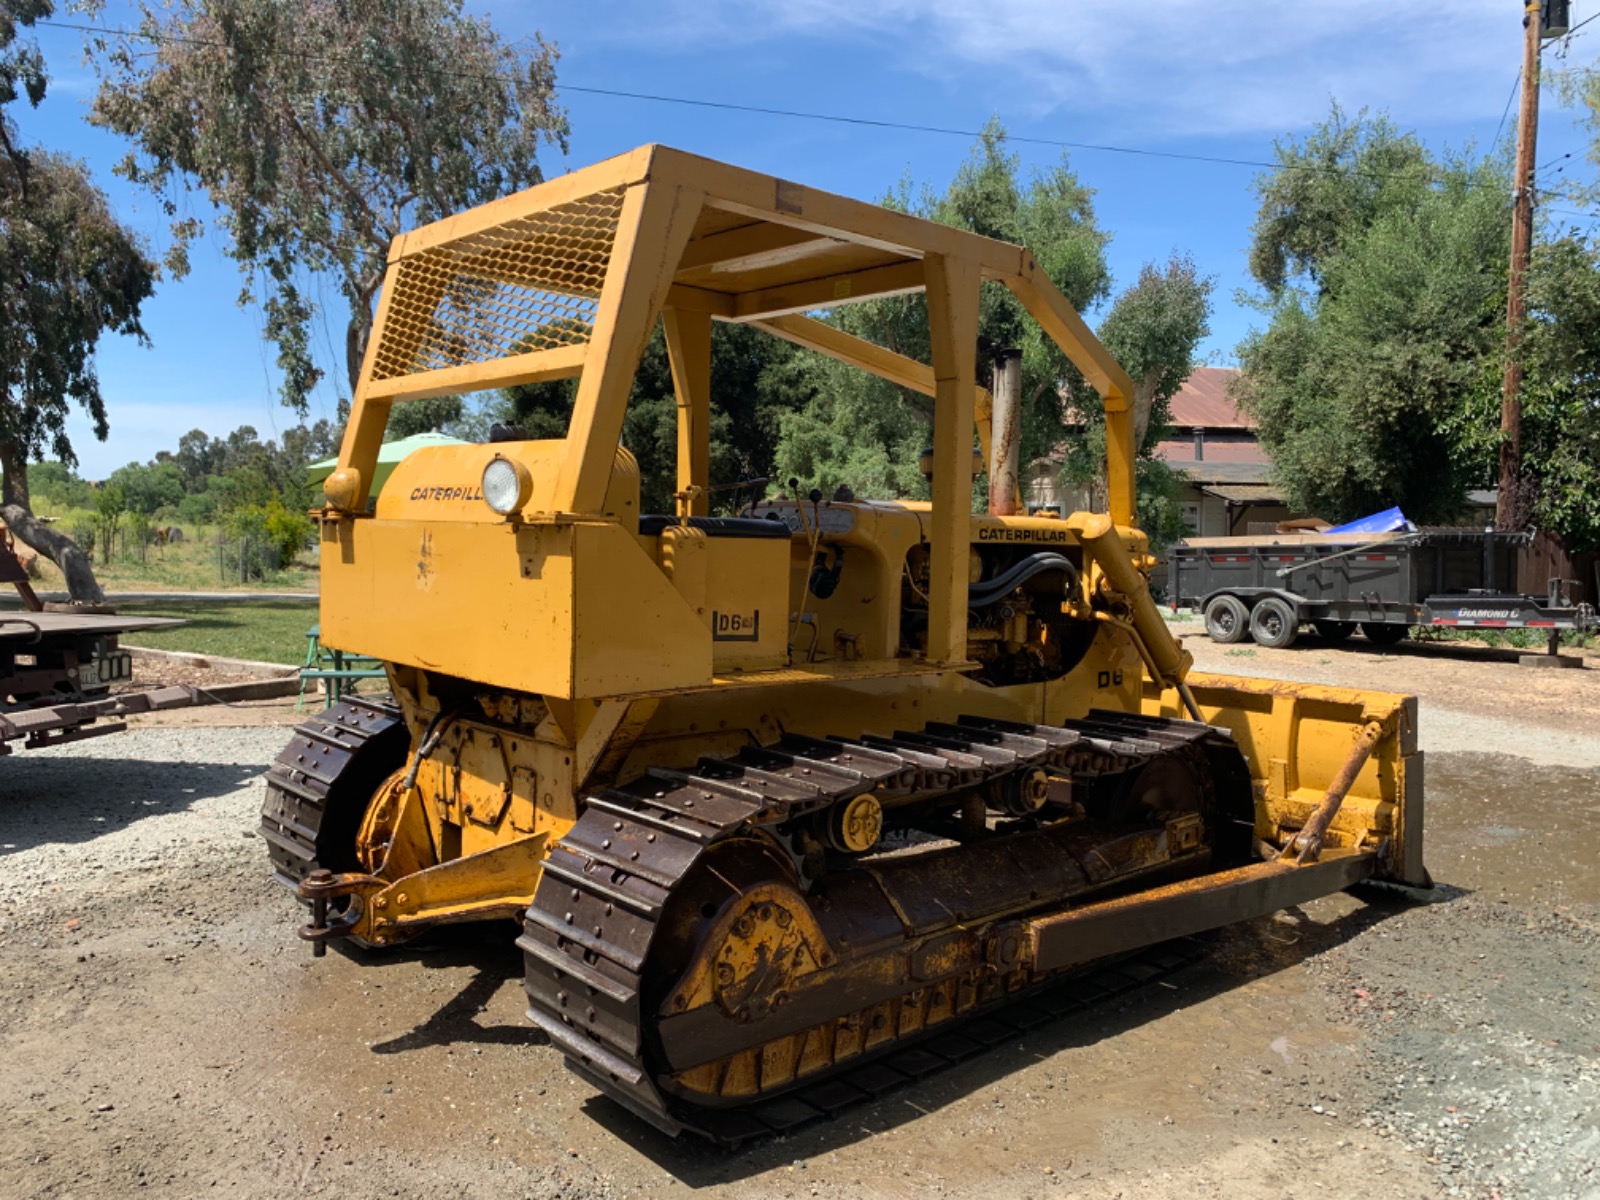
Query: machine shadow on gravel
{"type": "Point", "coordinates": [490, 949]}
{"type": "Point", "coordinates": [1235, 957]}
{"type": "Point", "coordinates": [79, 799]}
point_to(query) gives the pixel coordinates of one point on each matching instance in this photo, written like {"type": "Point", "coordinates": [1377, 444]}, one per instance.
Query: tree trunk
{"type": "Point", "coordinates": [355, 349]}
{"type": "Point", "coordinates": [1144, 402]}
{"type": "Point", "coordinates": [57, 547]}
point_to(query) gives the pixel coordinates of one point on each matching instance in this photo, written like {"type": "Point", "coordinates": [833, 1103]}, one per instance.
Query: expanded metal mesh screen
{"type": "Point", "coordinates": [528, 284]}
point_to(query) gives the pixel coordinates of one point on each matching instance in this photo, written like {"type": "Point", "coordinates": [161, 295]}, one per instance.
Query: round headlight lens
{"type": "Point", "coordinates": [506, 485]}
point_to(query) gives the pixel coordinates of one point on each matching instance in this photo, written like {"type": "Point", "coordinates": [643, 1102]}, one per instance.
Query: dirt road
{"type": "Point", "coordinates": [164, 1032]}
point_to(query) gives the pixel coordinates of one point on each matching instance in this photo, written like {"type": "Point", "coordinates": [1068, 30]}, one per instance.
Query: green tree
{"type": "Point", "coordinates": [855, 428]}
{"type": "Point", "coordinates": [1561, 390]}
{"type": "Point", "coordinates": [1384, 284]}
{"type": "Point", "coordinates": [110, 504]}
{"type": "Point", "coordinates": [22, 73]}
{"type": "Point", "coordinates": [321, 131]}
{"type": "Point", "coordinates": [749, 394]}
{"type": "Point", "coordinates": [148, 488]}
{"type": "Point", "coordinates": [71, 273]}
{"type": "Point", "coordinates": [423, 416]}
{"type": "Point", "coordinates": [1326, 190]}
{"type": "Point", "coordinates": [56, 485]}
{"type": "Point", "coordinates": [1153, 329]}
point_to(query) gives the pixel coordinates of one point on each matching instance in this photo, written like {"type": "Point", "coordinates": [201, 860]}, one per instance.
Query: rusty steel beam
{"type": "Point", "coordinates": [1309, 840]}
{"type": "Point", "coordinates": [1179, 909]}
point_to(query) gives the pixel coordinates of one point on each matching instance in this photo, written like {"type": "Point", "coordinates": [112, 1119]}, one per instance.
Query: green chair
{"type": "Point", "coordinates": [337, 671]}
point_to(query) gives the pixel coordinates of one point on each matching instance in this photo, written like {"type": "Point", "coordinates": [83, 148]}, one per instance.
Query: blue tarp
{"type": "Point", "coordinates": [1391, 520]}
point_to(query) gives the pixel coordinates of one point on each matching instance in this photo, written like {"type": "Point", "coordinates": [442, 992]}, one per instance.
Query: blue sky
{"type": "Point", "coordinates": [1219, 78]}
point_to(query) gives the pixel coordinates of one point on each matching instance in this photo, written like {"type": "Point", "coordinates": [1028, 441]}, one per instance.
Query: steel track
{"type": "Point", "coordinates": [1079, 993]}
{"type": "Point", "coordinates": [588, 935]}
{"type": "Point", "coordinates": [305, 774]}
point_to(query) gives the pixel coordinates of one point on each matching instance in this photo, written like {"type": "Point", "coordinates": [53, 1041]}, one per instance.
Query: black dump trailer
{"type": "Point", "coordinates": [1267, 587]}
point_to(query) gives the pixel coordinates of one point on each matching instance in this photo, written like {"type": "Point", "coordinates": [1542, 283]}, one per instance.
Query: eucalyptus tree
{"type": "Point", "coordinates": [320, 130]}
{"type": "Point", "coordinates": [72, 272]}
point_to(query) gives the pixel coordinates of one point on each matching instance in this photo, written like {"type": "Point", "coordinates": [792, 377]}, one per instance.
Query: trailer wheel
{"type": "Point", "coordinates": [1227, 620]}
{"type": "Point", "coordinates": [1273, 623]}
{"type": "Point", "coordinates": [1381, 633]}
{"type": "Point", "coordinates": [1334, 631]}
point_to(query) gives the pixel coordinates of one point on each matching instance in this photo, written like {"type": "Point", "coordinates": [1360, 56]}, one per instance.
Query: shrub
{"type": "Point", "coordinates": [277, 533]}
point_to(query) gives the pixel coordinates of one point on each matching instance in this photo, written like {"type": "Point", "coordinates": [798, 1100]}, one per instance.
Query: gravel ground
{"type": "Point", "coordinates": [166, 1032]}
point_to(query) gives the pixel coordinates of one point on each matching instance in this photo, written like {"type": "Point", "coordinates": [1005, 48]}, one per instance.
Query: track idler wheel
{"type": "Point", "coordinates": [1021, 793]}
{"type": "Point", "coordinates": [855, 825]}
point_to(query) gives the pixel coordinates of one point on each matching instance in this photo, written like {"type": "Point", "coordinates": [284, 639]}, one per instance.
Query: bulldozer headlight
{"type": "Point", "coordinates": [506, 485]}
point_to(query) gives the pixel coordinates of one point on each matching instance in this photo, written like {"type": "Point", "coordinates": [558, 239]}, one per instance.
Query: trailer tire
{"type": "Point", "coordinates": [1273, 623]}
{"type": "Point", "coordinates": [1382, 633]}
{"type": "Point", "coordinates": [1227, 619]}
{"type": "Point", "coordinates": [1334, 631]}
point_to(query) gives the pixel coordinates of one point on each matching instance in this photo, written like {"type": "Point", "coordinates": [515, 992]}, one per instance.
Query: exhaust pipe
{"type": "Point", "coordinates": [1005, 447]}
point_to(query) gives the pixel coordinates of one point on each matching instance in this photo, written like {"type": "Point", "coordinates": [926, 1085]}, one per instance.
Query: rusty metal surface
{"type": "Point", "coordinates": [1309, 840]}
{"type": "Point", "coordinates": [1072, 994]}
{"type": "Point", "coordinates": [602, 926]}
{"type": "Point", "coordinates": [1129, 922]}
{"type": "Point", "coordinates": [306, 775]}
{"type": "Point", "coordinates": [51, 725]}
{"type": "Point", "coordinates": [27, 626]}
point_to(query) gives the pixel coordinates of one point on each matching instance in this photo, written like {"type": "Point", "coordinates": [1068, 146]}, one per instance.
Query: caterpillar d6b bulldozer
{"type": "Point", "coordinates": [779, 793]}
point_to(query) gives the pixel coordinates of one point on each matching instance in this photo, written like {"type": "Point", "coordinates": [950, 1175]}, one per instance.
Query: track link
{"type": "Point", "coordinates": [588, 935]}
{"type": "Point", "coordinates": [326, 750]}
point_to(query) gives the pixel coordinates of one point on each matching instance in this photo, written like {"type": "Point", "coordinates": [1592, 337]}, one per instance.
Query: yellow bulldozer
{"type": "Point", "coordinates": [780, 793]}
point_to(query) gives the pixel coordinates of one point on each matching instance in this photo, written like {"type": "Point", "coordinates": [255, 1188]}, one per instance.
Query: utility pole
{"type": "Point", "coordinates": [1508, 502]}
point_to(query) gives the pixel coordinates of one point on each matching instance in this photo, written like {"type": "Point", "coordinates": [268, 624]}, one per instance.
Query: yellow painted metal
{"type": "Point", "coordinates": [860, 824]}
{"type": "Point", "coordinates": [559, 649]}
{"type": "Point", "coordinates": [689, 350]}
{"type": "Point", "coordinates": [1108, 548]}
{"type": "Point", "coordinates": [1297, 736]}
{"type": "Point", "coordinates": [952, 286]}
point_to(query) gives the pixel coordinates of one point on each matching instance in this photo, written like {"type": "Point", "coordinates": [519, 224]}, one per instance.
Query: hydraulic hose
{"type": "Point", "coordinates": [980, 595]}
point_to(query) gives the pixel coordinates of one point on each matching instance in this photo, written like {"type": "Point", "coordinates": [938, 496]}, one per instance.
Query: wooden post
{"type": "Point", "coordinates": [953, 329]}
{"type": "Point", "coordinates": [689, 351]}
{"type": "Point", "coordinates": [1508, 512]}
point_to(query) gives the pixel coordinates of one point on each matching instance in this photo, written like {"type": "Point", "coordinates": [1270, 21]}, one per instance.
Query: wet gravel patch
{"type": "Point", "coordinates": [1483, 1042]}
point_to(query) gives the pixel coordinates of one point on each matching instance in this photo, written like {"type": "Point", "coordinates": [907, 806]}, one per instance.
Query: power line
{"type": "Point", "coordinates": [1500, 128]}
{"type": "Point", "coordinates": [796, 114]}
{"type": "Point", "coordinates": [1579, 26]}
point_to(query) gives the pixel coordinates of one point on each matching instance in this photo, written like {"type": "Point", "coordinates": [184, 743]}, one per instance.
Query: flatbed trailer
{"type": "Point", "coordinates": [1267, 587]}
{"type": "Point", "coordinates": [59, 672]}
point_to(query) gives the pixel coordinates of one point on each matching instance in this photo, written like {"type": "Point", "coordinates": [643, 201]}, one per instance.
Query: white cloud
{"type": "Point", "coordinates": [1179, 68]}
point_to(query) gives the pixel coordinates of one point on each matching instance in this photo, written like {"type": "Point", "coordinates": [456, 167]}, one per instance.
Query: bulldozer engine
{"type": "Point", "coordinates": [776, 792]}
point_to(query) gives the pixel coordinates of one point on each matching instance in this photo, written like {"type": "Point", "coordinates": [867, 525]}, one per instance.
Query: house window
{"type": "Point", "coordinates": [1191, 517]}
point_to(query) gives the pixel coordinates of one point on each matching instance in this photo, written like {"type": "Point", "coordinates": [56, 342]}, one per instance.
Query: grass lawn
{"type": "Point", "coordinates": [265, 630]}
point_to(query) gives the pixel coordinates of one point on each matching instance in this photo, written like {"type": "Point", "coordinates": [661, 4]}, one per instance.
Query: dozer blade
{"type": "Point", "coordinates": [1342, 757]}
